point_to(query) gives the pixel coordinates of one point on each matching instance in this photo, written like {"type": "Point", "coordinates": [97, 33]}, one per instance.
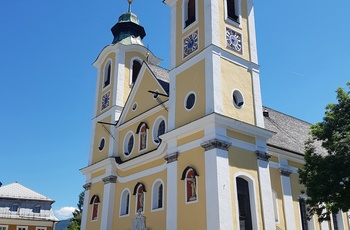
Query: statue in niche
{"type": "Point", "coordinates": [139, 222]}
{"type": "Point", "coordinates": [191, 183]}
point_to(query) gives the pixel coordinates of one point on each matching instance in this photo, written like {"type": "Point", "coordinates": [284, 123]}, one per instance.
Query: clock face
{"type": "Point", "coordinates": [190, 43]}
{"type": "Point", "coordinates": [233, 40]}
{"type": "Point", "coordinates": [105, 100]}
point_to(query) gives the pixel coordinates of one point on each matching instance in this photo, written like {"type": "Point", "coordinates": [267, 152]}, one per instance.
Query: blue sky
{"type": "Point", "coordinates": [47, 82]}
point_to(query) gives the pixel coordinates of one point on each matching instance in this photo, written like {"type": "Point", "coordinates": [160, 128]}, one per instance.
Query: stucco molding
{"type": "Point", "coordinates": [285, 171]}
{"type": "Point", "coordinates": [109, 179]}
{"type": "Point", "coordinates": [264, 156]}
{"type": "Point", "coordinates": [216, 144]}
{"type": "Point", "coordinates": [87, 186]}
{"type": "Point", "coordinates": [171, 157]}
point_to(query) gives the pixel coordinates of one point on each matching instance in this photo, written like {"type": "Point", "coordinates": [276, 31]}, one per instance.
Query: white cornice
{"type": "Point", "coordinates": [118, 47]}
{"type": "Point", "coordinates": [286, 154]}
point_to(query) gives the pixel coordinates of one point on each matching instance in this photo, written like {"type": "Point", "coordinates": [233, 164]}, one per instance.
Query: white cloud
{"type": "Point", "coordinates": [64, 213]}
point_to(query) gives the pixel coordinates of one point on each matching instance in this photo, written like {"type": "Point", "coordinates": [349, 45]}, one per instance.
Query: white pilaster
{"type": "Point", "coordinates": [108, 202]}
{"type": "Point", "coordinates": [172, 4]}
{"type": "Point", "coordinates": [259, 118]}
{"type": "Point", "coordinates": [171, 208]}
{"type": "Point", "coordinates": [217, 186]}
{"type": "Point", "coordinates": [118, 95]}
{"type": "Point", "coordinates": [85, 205]}
{"type": "Point", "coordinates": [211, 18]}
{"type": "Point", "coordinates": [287, 195]}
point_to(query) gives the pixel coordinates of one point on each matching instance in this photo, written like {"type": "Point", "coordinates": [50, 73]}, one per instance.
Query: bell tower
{"type": "Point", "coordinates": [214, 64]}
{"type": "Point", "coordinates": [118, 66]}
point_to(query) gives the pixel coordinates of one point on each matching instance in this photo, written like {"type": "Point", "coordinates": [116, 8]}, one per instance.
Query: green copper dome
{"type": "Point", "coordinates": [129, 17]}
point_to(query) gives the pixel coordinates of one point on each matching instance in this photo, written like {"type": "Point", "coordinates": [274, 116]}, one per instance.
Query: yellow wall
{"type": "Point", "coordinates": [244, 161]}
{"type": "Point", "coordinates": [237, 77]}
{"type": "Point", "coordinates": [191, 215]}
{"type": "Point", "coordinates": [133, 127]}
{"type": "Point", "coordinates": [240, 136]}
{"type": "Point", "coordinates": [277, 187]}
{"type": "Point", "coordinates": [128, 57]}
{"type": "Point", "coordinates": [96, 189]}
{"type": "Point", "coordinates": [154, 220]}
{"type": "Point", "coordinates": [99, 133]}
{"type": "Point", "coordinates": [101, 91]}
{"type": "Point", "coordinates": [192, 79]}
{"type": "Point", "coordinates": [98, 173]}
{"type": "Point", "coordinates": [189, 138]}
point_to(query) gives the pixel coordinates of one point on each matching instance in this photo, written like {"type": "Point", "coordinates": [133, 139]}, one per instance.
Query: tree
{"type": "Point", "coordinates": [326, 177]}
{"type": "Point", "coordinates": [77, 214]}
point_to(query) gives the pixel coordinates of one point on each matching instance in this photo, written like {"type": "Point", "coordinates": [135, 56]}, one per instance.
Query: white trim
{"type": "Point", "coordinates": [171, 209]}
{"type": "Point", "coordinates": [275, 206]}
{"type": "Point", "coordinates": [288, 202]}
{"type": "Point", "coordinates": [4, 226]}
{"type": "Point", "coordinates": [139, 139]}
{"type": "Point", "coordinates": [157, 183]}
{"type": "Point", "coordinates": [173, 33]}
{"type": "Point", "coordinates": [22, 227]}
{"type": "Point", "coordinates": [143, 173]}
{"type": "Point", "coordinates": [172, 101]}
{"type": "Point", "coordinates": [211, 18]}
{"type": "Point", "coordinates": [259, 118]}
{"type": "Point", "coordinates": [136, 58]}
{"type": "Point", "coordinates": [85, 207]}
{"type": "Point", "coordinates": [218, 190]}
{"type": "Point", "coordinates": [155, 128]}
{"type": "Point", "coordinates": [184, 13]}
{"type": "Point", "coordinates": [137, 199]}
{"type": "Point", "coordinates": [186, 98]}
{"type": "Point", "coordinates": [238, 12]}
{"type": "Point", "coordinates": [118, 93]}
{"type": "Point", "coordinates": [107, 206]}
{"type": "Point", "coordinates": [99, 144]}
{"type": "Point", "coordinates": [127, 137]}
{"type": "Point", "coordinates": [122, 202]}
{"type": "Point", "coordinates": [252, 197]}
{"type": "Point", "coordinates": [251, 31]}
{"type": "Point", "coordinates": [241, 97]}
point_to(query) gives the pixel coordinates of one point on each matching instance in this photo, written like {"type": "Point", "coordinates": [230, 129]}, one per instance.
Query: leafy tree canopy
{"type": "Point", "coordinates": [326, 177]}
{"type": "Point", "coordinates": [77, 214]}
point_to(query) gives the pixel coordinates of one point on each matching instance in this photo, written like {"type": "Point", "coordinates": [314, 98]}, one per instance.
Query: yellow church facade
{"type": "Point", "coordinates": [192, 147]}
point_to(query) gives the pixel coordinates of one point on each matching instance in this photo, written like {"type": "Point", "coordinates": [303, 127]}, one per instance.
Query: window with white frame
{"type": "Point", "coordinates": [3, 227]}
{"type": "Point", "coordinates": [125, 203]}
{"type": "Point", "coordinates": [189, 12]}
{"type": "Point", "coordinates": [22, 228]}
{"type": "Point", "coordinates": [335, 221]}
{"type": "Point", "coordinates": [158, 129]}
{"type": "Point", "coordinates": [14, 207]}
{"type": "Point", "coordinates": [233, 11]}
{"type": "Point", "coordinates": [107, 74]}
{"type": "Point", "coordinates": [37, 209]}
{"type": "Point", "coordinates": [275, 205]}
{"type": "Point", "coordinates": [303, 214]}
{"type": "Point", "coordinates": [136, 64]}
{"type": "Point", "coordinates": [157, 195]}
{"type": "Point", "coordinates": [244, 207]}
{"type": "Point", "coordinates": [95, 201]}
{"type": "Point", "coordinates": [40, 228]}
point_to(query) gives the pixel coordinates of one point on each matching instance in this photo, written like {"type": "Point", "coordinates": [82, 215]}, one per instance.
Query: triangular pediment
{"type": "Point", "coordinates": [149, 91]}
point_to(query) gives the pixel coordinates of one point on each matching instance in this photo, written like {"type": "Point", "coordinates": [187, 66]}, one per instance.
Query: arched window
{"type": "Point", "coordinates": [157, 195]}
{"type": "Point", "coordinates": [233, 11]}
{"type": "Point", "coordinates": [303, 214]}
{"type": "Point", "coordinates": [142, 130]}
{"type": "Point", "coordinates": [107, 75]}
{"type": "Point", "coordinates": [158, 129]}
{"type": "Point", "coordinates": [136, 67]}
{"type": "Point", "coordinates": [191, 184]}
{"type": "Point", "coordinates": [125, 203]}
{"type": "Point", "coordinates": [190, 12]}
{"type": "Point", "coordinates": [244, 208]}
{"type": "Point", "coordinates": [140, 191]}
{"type": "Point", "coordinates": [95, 201]}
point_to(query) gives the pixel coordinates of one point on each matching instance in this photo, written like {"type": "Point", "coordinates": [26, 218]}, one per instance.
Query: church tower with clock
{"type": "Point", "coordinates": [191, 147]}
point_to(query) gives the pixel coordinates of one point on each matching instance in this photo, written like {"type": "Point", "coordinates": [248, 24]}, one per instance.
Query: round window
{"type": "Point", "coordinates": [134, 106]}
{"type": "Point", "coordinates": [190, 101]}
{"type": "Point", "coordinates": [128, 143]}
{"type": "Point", "coordinates": [238, 99]}
{"type": "Point", "coordinates": [102, 144]}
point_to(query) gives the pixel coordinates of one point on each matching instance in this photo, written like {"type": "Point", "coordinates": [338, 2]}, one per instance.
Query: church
{"type": "Point", "coordinates": [192, 147]}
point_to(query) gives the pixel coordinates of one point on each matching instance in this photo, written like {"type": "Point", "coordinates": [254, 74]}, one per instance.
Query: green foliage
{"type": "Point", "coordinates": [326, 177]}
{"type": "Point", "coordinates": [77, 214]}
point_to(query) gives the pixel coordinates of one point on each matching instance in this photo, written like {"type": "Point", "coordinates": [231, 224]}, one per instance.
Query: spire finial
{"type": "Point", "coordinates": [129, 1]}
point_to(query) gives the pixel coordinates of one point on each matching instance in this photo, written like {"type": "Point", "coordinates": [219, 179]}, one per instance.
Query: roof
{"type": "Point", "coordinates": [291, 132]}
{"type": "Point", "coordinates": [18, 191]}
{"type": "Point", "coordinates": [162, 76]}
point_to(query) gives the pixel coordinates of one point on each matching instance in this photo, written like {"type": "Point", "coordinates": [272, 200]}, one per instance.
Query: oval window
{"type": "Point", "coordinates": [238, 99]}
{"type": "Point", "coordinates": [190, 101]}
{"type": "Point", "coordinates": [102, 144]}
